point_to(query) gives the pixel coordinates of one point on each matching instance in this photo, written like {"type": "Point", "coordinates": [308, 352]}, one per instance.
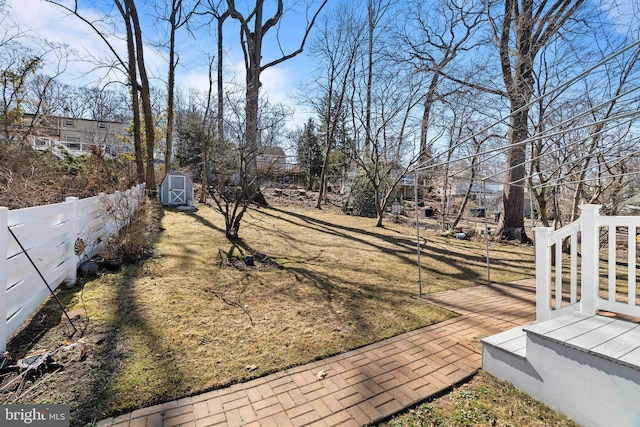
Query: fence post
{"type": "Point", "coordinates": [543, 272]}
{"type": "Point", "coordinates": [73, 235]}
{"type": "Point", "coordinates": [4, 248]}
{"type": "Point", "coordinates": [590, 246]}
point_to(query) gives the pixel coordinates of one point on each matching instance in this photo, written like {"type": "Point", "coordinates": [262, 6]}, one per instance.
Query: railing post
{"type": "Point", "coordinates": [4, 248]}
{"type": "Point", "coordinates": [590, 233]}
{"type": "Point", "coordinates": [543, 273]}
{"type": "Point", "coordinates": [73, 235]}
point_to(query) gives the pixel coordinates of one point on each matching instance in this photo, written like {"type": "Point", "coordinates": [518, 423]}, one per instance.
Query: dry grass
{"type": "Point", "coordinates": [194, 317]}
{"type": "Point", "coordinates": [484, 401]}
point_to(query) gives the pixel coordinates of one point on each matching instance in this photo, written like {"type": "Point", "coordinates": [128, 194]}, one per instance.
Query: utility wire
{"type": "Point", "coordinates": [562, 87]}
{"type": "Point", "coordinates": [501, 150]}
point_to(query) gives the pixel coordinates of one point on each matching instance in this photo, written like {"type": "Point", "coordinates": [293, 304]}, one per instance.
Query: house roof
{"type": "Point", "coordinates": [271, 150]}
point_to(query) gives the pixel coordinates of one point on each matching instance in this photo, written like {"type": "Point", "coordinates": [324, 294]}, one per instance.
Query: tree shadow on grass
{"type": "Point", "coordinates": [404, 248]}
{"type": "Point", "coordinates": [202, 220]}
{"type": "Point", "coordinates": [129, 333]}
{"type": "Point", "coordinates": [89, 384]}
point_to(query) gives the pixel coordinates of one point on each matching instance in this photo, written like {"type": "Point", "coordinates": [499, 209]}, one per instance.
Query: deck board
{"type": "Point", "coordinates": [608, 337]}
{"type": "Point", "coordinates": [514, 341]}
{"type": "Point", "coordinates": [622, 344]}
{"type": "Point", "coordinates": [577, 329]}
{"type": "Point", "coordinates": [633, 357]}
{"type": "Point", "coordinates": [602, 335]}
{"type": "Point", "coordinates": [544, 328]}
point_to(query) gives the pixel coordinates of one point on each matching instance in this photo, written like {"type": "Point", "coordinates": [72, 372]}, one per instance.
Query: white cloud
{"type": "Point", "coordinates": [42, 20]}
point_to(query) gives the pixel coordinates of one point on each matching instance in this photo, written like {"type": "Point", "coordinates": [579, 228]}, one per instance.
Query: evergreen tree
{"type": "Point", "coordinates": [310, 156]}
{"type": "Point", "coordinates": [191, 135]}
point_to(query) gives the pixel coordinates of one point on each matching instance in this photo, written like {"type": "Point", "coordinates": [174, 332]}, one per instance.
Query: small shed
{"type": "Point", "coordinates": [176, 189]}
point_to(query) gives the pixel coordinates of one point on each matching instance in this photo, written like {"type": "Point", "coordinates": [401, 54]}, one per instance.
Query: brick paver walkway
{"type": "Point", "coordinates": [363, 385]}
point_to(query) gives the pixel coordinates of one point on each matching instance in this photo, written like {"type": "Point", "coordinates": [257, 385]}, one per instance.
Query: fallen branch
{"type": "Point", "coordinates": [229, 302]}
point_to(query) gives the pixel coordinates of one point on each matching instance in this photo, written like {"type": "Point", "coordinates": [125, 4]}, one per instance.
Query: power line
{"type": "Point", "coordinates": [559, 88]}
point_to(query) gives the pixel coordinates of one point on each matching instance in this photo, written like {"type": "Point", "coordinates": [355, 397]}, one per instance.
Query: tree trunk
{"type": "Point", "coordinates": [135, 100]}
{"type": "Point", "coordinates": [329, 128]}
{"type": "Point", "coordinates": [220, 107]}
{"type": "Point", "coordinates": [249, 152]}
{"type": "Point", "coordinates": [145, 94]}
{"type": "Point", "coordinates": [529, 26]}
{"type": "Point", "coordinates": [511, 224]}
{"type": "Point", "coordinates": [379, 209]}
{"type": "Point", "coordinates": [168, 152]}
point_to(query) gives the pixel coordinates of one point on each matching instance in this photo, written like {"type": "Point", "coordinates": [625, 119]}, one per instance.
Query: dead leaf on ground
{"type": "Point", "coordinates": [251, 367]}
{"type": "Point", "coordinates": [321, 375]}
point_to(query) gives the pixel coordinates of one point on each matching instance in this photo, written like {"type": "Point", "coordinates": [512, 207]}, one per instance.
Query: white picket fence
{"type": "Point", "coordinates": [584, 285]}
{"type": "Point", "coordinates": [49, 234]}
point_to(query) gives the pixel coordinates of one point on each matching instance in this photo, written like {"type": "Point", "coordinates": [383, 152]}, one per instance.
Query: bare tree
{"type": "Point", "coordinates": [13, 83]}
{"type": "Point", "coordinates": [522, 30]}
{"type": "Point", "coordinates": [133, 67]}
{"type": "Point", "coordinates": [18, 65]}
{"type": "Point", "coordinates": [253, 28]}
{"type": "Point", "coordinates": [177, 14]}
{"type": "Point", "coordinates": [336, 49]}
{"type": "Point", "coordinates": [219, 14]}
{"type": "Point", "coordinates": [435, 34]}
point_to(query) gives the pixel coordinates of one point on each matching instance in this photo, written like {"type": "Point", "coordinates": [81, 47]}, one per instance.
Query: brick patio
{"type": "Point", "coordinates": [364, 385]}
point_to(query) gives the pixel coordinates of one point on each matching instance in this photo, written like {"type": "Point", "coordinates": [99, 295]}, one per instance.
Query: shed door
{"type": "Point", "coordinates": [177, 189]}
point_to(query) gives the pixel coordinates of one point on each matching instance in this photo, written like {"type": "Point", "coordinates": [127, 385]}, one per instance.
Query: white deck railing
{"type": "Point", "coordinates": [580, 289]}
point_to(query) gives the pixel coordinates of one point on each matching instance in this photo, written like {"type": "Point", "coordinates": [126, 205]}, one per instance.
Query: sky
{"type": "Point", "coordinates": [40, 19]}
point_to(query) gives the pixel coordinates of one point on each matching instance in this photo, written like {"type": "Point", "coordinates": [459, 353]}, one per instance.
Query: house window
{"type": "Point", "coordinates": [73, 139]}
{"type": "Point", "coordinates": [74, 146]}
{"type": "Point", "coordinates": [68, 123]}
{"type": "Point", "coordinates": [102, 125]}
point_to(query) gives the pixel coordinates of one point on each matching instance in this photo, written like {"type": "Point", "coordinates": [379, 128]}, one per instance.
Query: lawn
{"type": "Point", "coordinates": [195, 316]}
{"type": "Point", "coordinates": [484, 401]}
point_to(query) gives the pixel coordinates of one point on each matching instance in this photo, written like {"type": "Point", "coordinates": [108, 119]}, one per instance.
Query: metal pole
{"type": "Point", "coordinates": [533, 222]}
{"type": "Point", "coordinates": [486, 231]}
{"type": "Point", "coordinates": [43, 279]}
{"type": "Point", "coordinates": [415, 185]}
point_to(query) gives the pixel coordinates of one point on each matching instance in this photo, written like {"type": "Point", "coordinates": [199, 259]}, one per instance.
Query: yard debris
{"type": "Point", "coordinates": [79, 349]}
{"type": "Point", "coordinates": [251, 367]}
{"type": "Point", "coordinates": [245, 307]}
{"type": "Point", "coordinates": [89, 268]}
{"type": "Point", "coordinates": [35, 362]}
{"type": "Point", "coordinates": [6, 358]}
{"type": "Point", "coordinates": [321, 375]}
{"type": "Point", "coordinates": [39, 366]}
{"type": "Point", "coordinates": [43, 359]}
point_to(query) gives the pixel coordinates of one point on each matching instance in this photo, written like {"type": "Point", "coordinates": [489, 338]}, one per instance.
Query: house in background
{"type": "Point", "coordinates": [272, 164]}
{"type": "Point", "coordinates": [271, 160]}
{"type": "Point", "coordinates": [76, 135]}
